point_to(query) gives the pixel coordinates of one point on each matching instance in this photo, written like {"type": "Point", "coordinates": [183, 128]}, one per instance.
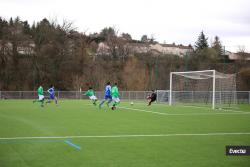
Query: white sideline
{"type": "Point", "coordinates": [170, 114]}
{"type": "Point", "coordinates": [231, 110]}
{"type": "Point", "coordinates": [125, 136]}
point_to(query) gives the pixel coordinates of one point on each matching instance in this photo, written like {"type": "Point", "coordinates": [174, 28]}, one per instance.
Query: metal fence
{"type": "Point", "coordinates": [242, 96]}
{"type": "Point", "coordinates": [126, 95]}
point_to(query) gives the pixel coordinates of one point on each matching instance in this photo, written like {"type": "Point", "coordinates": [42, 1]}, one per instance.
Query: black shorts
{"type": "Point", "coordinates": [152, 99]}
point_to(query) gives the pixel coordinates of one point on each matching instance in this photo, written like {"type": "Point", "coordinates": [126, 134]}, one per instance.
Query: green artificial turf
{"type": "Point", "coordinates": [93, 137]}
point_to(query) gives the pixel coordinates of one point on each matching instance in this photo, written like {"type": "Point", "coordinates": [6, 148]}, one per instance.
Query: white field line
{"type": "Point", "coordinates": [182, 114]}
{"type": "Point", "coordinates": [126, 136]}
{"type": "Point", "coordinates": [216, 109]}
{"type": "Point", "coordinates": [203, 107]}
{"type": "Point", "coordinates": [169, 107]}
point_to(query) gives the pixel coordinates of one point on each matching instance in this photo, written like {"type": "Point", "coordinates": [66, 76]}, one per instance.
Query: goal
{"type": "Point", "coordinates": [162, 96]}
{"type": "Point", "coordinates": [203, 88]}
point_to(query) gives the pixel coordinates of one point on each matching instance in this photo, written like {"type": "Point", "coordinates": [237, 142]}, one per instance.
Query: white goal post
{"type": "Point", "coordinates": [203, 88]}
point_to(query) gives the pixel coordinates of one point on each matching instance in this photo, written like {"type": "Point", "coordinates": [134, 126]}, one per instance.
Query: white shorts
{"type": "Point", "coordinates": [40, 97]}
{"type": "Point", "coordinates": [116, 99]}
{"type": "Point", "coordinates": [93, 97]}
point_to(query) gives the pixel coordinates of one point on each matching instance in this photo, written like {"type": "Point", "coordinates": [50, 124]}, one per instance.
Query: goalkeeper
{"type": "Point", "coordinates": [91, 94]}
{"type": "Point", "coordinates": [151, 98]}
{"type": "Point", "coordinates": [115, 96]}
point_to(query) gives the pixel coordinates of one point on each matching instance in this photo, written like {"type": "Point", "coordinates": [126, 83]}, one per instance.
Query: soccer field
{"type": "Point", "coordinates": [76, 133]}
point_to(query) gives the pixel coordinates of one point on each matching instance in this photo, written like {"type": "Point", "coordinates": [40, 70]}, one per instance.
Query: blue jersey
{"type": "Point", "coordinates": [107, 92]}
{"type": "Point", "coordinates": [51, 93]}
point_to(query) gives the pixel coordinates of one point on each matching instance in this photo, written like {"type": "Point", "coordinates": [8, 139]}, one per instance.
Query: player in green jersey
{"type": "Point", "coordinates": [91, 94]}
{"type": "Point", "coordinates": [115, 96]}
{"type": "Point", "coordinates": [40, 96]}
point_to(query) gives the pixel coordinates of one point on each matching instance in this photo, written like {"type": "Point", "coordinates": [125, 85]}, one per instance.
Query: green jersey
{"type": "Point", "coordinates": [89, 93]}
{"type": "Point", "coordinates": [114, 91]}
{"type": "Point", "coordinates": [40, 90]}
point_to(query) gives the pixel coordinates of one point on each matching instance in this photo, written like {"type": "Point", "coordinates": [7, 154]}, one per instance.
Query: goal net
{"type": "Point", "coordinates": [203, 88]}
{"type": "Point", "coordinates": [162, 96]}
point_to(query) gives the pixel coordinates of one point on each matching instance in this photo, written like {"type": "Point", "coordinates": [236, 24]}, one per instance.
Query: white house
{"type": "Point", "coordinates": [179, 50]}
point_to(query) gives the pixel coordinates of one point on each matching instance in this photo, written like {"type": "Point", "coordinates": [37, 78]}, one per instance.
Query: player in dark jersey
{"type": "Point", "coordinates": [151, 98]}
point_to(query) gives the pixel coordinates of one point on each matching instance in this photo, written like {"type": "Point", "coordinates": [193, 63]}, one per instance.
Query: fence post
{"type": "Point", "coordinates": [157, 96]}
{"type": "Point", "coordinates": [128, 95]}
{"type": "Point", "coordinates": [249, 97]}
{"type": "Point", "coordinates": [192, 96]}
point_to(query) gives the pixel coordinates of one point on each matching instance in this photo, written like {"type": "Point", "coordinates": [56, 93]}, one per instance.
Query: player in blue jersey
{"type": "Point", "coordinates": [107, 95]}
{"type": "Point", "coordinates": [52, 96]}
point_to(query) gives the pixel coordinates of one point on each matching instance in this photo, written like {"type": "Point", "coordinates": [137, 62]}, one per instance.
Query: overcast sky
{"type": "Point", "coordinates": [178, 21]}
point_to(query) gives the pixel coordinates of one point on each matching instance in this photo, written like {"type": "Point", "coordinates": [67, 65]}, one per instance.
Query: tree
{"type": "Point", "coordinates": [204, 59]}
{"type": "Point", "coordinates": [242, 54]}
{"type": "Point", "coordinates": [3, 27]}
{"type": "Point", "coordinates": [117, 47]}
{"type": "Point", "coordinates": [217, 46]}
{"type": "Point", "coordinates": [108, 32]}
{"type": "Point", "coordinates": [5, 54]}
{"type": "Point", "coordinates": [201, 43]}
{"type": "Point", "coordinates": [244, 77]}
{"type": "Point", "coordinates": [152, 39]}
{"type": "Point", "coordinates": [144, 38]}
{"type": "Point", "coordinates": [11, 22]}
{"type": "Point", "coordinates": [45, 52]}
{"type": "Point", "coordinates": [26, 28]}
{"type": "Point", "coordinates": [126, 36]}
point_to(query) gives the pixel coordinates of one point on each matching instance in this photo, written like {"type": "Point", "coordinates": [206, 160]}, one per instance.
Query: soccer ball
{"type": "Point", "coordinates": [131, 103]}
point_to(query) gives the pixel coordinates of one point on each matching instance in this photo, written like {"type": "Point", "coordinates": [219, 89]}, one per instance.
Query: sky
{"type": "Point", "coordinates": [168, 21]}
